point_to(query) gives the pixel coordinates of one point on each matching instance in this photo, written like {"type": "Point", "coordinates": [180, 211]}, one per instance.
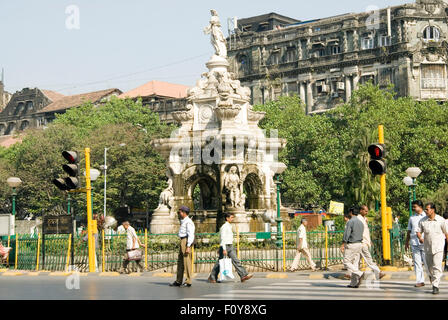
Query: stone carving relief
{"type": "Point", "coordinates": [233, 189]}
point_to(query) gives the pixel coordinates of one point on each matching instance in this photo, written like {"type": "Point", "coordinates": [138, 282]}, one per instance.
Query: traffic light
{"type": "Point", "coordinates": [72, 169]}
{"type": "Point", "coordinates": [377, 162]}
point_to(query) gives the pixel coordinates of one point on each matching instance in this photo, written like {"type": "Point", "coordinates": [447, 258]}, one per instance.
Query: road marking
{"type": "Point", "coordinates": [9, 273]}
{"type": "Point", "coordinates": [135, 274]}
{"type": "Point", "coordinates": [33, 273]}
{"type": "Point", "coordinates": [276, 276]}
{"type": "Point", "coordinates": [109, 274]}
{"type": "Point", "coordinates": [316, 276]}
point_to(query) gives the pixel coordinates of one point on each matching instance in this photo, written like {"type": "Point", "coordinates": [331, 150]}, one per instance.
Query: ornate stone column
{"type": "Point", "coordinates": [302, 91]}
{"type": "Point", "coordinates": [309, 96]}
{"type": "Point", "coordinates": [348, 88]}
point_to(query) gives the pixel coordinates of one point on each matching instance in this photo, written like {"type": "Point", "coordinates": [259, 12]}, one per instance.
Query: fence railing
{"type": "Point", "coordinates": [255, 252]}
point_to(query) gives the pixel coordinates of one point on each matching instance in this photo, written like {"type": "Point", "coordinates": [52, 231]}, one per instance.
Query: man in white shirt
{"type": "Point", "coordinates": [302, 247]}
{"type": "Point", "coordinates": [434, 228]}
{"type": "Point", "coordinates": [418, 252]}
{"type": "Point", "coordinates": [132, 243]}
{"type": "Point", "coordinates": [186, 235]}
{"type": "Point", "coordinates": [367, 243]}
{"type": "Point", "coordinates": [226, 249]}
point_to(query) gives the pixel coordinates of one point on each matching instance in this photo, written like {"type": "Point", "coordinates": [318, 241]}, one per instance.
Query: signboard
{"type": "Point", "coordinates": [7, 224]}
{"type": "Point", "coordinates": [57, 224]}
{"type": "Point", "coordinates": [336, 208]}
{"type": "Point", "coordinates": [263, 235]}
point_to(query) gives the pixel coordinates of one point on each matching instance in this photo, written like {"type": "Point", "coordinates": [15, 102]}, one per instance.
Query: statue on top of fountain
{"type": "Point", "coordinates": [216, 36]}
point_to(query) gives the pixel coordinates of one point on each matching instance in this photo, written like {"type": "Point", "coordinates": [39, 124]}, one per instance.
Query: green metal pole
{"type": "Point", "coordinates": [413, 189]}
{"type": "Point", "coordinates": [14, 202]}
{"type": "Point", "coordinates": [68, 203]}
{"type": "Point", "coordinates": [410, 201]}
{"type": "Point", "coordinates": [279, 241]}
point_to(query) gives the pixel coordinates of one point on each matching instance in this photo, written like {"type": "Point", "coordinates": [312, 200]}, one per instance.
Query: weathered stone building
{"type": "Point", "coordinates": [4, 95]}
{"type": "Point", "coordinates": [324, 60]}
{"type": "Point", "coordinates": [35, 108]}
{"type": "Point", "coordinates": [19, 113]}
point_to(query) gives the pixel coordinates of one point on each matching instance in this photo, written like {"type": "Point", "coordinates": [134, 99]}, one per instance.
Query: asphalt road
{"type": "Point", "coordinates": [154, 288]}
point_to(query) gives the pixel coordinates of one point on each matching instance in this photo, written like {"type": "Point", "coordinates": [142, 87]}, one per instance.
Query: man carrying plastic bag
{"type": "Point", "coordinates": [226, 249]}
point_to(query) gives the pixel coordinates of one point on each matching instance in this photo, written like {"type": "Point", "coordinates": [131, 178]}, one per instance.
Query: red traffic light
{"type": "Point", "coordinates": [70, 156]}
{"type": "Point", "coordinates": [376, 151]}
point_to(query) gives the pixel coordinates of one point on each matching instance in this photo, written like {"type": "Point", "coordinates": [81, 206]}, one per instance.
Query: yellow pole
{"type": "Point", "coordinates": [237, 243]}
{"type": "Point", "coordinates": [7, 258]}
{"type": "Point", "coordinates": [146, 249]}
{"type": "Point", "coordinates": [389, 218]}
{"type": "Point", "coordinates": [68, 251]}
{"type": "Point", "coordinates": [326, 247]}
{"type": "Point", "coordinates": [104, 257]}
{"type": "Point", "coordinates": [89, 214]}
{"type": "Point", "coordinates": [385, 233]}
{"type": "Point", "coordinates": [17, 251]}
{"type": "Point", "coordinates": [284, 251]}
{"type": "Point", "coordinates": [38, 249]}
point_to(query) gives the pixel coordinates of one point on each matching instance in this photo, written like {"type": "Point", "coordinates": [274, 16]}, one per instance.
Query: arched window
{"type": "Point", "coordinates": [243, 61]}
{"type": "Point", "coordinates": [431, 34]}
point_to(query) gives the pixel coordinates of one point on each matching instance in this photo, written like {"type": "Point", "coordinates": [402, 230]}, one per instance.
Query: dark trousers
{"type": "Point", "coordinates": [126, 261]}
{"type": "Point", "coordinates": [445, 255]}
{"type": "Point", "coordinates": [231, 253]}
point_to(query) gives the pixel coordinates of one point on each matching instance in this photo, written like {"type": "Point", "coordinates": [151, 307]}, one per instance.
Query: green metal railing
{"type": "Point", "coordinates": [257, 250]}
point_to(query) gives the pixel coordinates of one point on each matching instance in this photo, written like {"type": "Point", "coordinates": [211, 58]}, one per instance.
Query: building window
{"type": "Point", "coordinates": [335, 50]}
{"type": "Point", "coordinates": [385, 41]}
{"type": "Point", "coordinates": [367, 43]}
{"type": "Point", "coordinates": [291, 55]}
{"type": "Point", "coordinates": [28, 107]}
{"type": "Point", "coordinates": [24, 125]}
{"type": "Point", "coordinates": [321, 52]}
{"type": "Point", "coordinates": [275, 58]}
{"type": "Point", "coordinates": [19, 108]}
{"type": "Point", "coordinates": [243, 64]}
{"type": "Point", "coordinates": [433, 76]}
{"type": "Point", "coordinates": [431, 34]}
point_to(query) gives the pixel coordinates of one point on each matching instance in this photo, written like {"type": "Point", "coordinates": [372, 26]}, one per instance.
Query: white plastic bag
{"type": "Point", "coordinates": [225, 269]}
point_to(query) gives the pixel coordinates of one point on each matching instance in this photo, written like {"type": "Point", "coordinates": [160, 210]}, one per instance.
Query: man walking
{"type": "Point", "coordinates": [434, 228]}
{"type": "Point", "coordinates": [352, 247]}
{"type": "Point", "coordinates": [418, 252]}
{"type": "Point", "coordinates": [132, 243]}
{"type": "Point", "coordinates": [226, 249]}
{"type": "Point", "coordinates": [367, 243]}
{"type": "Point", "coordinates": [186, 235]}
{"type": "Point", "coordinates": [302, 247]}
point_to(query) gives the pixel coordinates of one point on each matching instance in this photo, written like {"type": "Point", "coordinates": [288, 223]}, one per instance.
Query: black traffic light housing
{"type": "Point", "coordinates": [377, 163]}
{"type": "Point", "coordinates": [72, 169]}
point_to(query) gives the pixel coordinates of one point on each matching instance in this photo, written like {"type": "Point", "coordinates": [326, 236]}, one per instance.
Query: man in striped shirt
{"type": "Point", "coordinates": [226, 249]}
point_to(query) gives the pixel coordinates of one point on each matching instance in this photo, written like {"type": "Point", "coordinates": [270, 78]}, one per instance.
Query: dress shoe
{"type": "Point", "coordinates": [246, 277]}
{"type": "Point", "coordinates": [347, 276]}
{"type": "Point", "coordinates": [186, 285]}
{"type": "Point", "coordinates": [210, 280]}
{"type": "Point", "coordinates": [435, 290]}
{"type": "Point", "coordinates": [421, 284]}
{"type": "Point", "coordinates": [350, 286]}
{"type": "Point", "coordinates": [381, 275]}
{"type": "Point", "coordinates": [175, 284]}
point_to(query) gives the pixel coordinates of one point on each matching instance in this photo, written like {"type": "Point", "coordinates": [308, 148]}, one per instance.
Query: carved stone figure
{"type": "Point", "coordinates": [355, 41]}
{"type": "Point", "coordinates": [166, 197]}
{"type": "Point", "coordinates": [216, 36]}
{"type": "Point", "coordinates": [232, 183]}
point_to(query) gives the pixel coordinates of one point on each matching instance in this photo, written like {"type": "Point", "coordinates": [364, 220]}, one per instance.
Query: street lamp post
{"type": "Point", "coordinates": [408, 181]}
{"type": "Point", "coordinates": [278, 169]}
{"type": "Point", "coordinates": [413, 173]}
{"type": "Point", "coordinates": [104, 167]}
{"type": "Point", "coordinates": [14, 182]}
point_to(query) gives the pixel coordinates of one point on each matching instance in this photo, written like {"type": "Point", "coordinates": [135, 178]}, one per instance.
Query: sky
{"type": "Point", "coordinates": [124, 44]}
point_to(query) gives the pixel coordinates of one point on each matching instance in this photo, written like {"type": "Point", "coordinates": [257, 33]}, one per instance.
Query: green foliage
{"type": "Point", "coordinates": [135, 175]}
{"type": "Point", "coordinates": [327, 155]}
